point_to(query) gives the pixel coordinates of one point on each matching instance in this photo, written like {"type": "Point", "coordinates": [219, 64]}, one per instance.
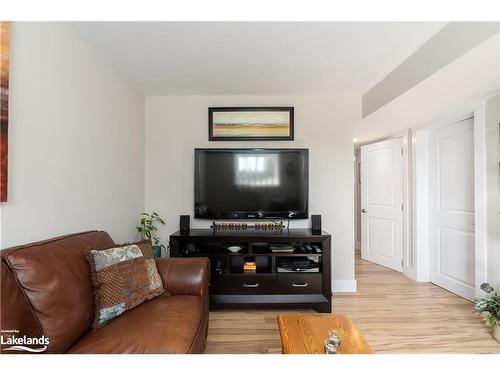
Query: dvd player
{"type": "Point", "coordinates": [297, 264]}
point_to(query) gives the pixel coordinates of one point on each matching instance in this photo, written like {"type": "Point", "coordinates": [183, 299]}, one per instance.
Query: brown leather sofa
{"type": "Point", "coordinates": [46, 289]}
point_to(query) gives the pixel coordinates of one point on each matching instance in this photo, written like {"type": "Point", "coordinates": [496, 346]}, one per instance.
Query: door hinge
{"type": "Point", "coordinates": [401, 150]}
{"type": "Point", "coordinates": [402, 263]}
{"type": "Point", "coordinates": [402, 207]}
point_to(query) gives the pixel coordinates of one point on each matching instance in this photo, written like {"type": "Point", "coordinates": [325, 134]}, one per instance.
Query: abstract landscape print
{"type": "Point", "coordinates": [251, 123]}
{"type": "Point", "coordinates": [4, 107]}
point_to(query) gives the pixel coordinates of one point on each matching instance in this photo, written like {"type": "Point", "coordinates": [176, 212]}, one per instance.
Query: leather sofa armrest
{"type": "Point", "coordinates": [189, 276]}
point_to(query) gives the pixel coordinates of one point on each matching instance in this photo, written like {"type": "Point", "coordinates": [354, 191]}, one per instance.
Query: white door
{"type": "Point", "coordinates": [451, 232]}
{"type": "Point", "coordinates": [382, 203]}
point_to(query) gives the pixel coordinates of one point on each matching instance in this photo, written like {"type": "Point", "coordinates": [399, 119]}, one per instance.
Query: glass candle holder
{"type": "Point", "coordinates": [334, 336]}
{"type": "Point", "coordinates": [330, 347]}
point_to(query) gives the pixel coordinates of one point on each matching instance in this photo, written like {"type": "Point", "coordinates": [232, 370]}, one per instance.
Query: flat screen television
{"type": "Point", "coordinates": [251, 183]}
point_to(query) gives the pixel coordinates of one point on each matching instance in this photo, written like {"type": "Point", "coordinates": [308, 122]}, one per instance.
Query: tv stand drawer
{"type": "Point", "coordinates": [299, 284]}
{"type": "Point", "coordinates": [242, 284]}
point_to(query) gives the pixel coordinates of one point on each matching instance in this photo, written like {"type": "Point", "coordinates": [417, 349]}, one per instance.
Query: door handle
{"type": "Point", "coordinates": [363, 210]}
{"type": "Point", "coordinates": [300, 285]}
{"type": "Point", "coordinates": [245, 285]}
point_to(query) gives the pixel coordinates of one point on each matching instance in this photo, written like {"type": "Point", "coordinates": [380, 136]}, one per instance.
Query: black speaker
{"type": "Point", "coordinates": [316, 224]}
{"type": "Point", "coordinates": [184, 224]}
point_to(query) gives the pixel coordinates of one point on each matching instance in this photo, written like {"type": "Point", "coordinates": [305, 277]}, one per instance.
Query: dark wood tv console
{"type": "Point", "coordinates": [280, 279]}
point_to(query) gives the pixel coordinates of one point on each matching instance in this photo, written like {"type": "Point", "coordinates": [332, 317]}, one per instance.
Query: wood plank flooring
{"type": "Point", "coordinates": [394, 313]}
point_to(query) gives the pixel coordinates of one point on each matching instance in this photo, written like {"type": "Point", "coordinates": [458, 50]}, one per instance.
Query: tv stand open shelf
{"type": "Point", "coordinates": [274, 284]}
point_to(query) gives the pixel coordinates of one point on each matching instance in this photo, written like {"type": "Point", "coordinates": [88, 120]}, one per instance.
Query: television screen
{"type": "Point", "coordinates": [251, 183]}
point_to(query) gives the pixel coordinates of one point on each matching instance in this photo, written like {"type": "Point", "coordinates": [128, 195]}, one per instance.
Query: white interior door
{"type": "Point", "coordinates": [382, 203]}
{"type": "Point", "coordinates": [451, 232]}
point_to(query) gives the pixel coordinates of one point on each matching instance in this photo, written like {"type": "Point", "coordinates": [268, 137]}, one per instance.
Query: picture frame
{"type": "Point", "coordinates": [4, 108]}
{"type": "Point", "coordinates": [250, 123]}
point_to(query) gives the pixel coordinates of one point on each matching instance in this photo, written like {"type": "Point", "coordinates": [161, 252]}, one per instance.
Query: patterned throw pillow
{"type": "Point", "coordinates": [124, 277]}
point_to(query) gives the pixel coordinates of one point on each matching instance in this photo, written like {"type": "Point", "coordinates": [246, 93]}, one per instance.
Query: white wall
{"type": "Point", "coordinates": [492, 190]}
{"type": "Point", "coordinates": [175, 125]}
{"type": "Point", "coordinates": [76, 140]}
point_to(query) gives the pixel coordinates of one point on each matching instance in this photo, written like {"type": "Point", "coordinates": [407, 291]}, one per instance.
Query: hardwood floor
{"type": "Point", "coordinates": [394, 313]}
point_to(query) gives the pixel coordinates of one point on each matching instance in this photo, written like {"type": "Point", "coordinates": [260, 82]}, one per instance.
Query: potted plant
{"type": "Point", "coordinates": [147, 229]}
{"type": "Point", "coordinates": [489, 309]}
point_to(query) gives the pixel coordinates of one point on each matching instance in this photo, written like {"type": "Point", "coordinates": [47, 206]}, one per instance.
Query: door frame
{"type": "Point", "coordinates": [421, 164]}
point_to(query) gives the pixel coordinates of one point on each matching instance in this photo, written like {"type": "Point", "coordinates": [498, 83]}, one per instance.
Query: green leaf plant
{"type": "Point", "coordinates": [147, 228]}
{"type": "Point", "coordinates": [488, 308]}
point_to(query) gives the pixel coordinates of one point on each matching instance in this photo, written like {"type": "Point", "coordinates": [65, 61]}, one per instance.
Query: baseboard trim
{"type": "Point", "coordinates": [410, 272]}
{"type": "Point", "coordinates": [344, 285]}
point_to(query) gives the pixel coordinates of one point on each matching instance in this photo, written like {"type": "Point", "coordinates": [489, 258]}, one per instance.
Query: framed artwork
{"type": "Point", "coordinates": [4, 107]}
{"type": "Point", "coordinates": [250, 123]}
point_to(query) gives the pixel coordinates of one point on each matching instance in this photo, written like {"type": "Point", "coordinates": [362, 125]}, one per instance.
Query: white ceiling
{"type": "Point", "coordinates": [255, 58]}
{"type": "Point", "coordinates": [451, 92]}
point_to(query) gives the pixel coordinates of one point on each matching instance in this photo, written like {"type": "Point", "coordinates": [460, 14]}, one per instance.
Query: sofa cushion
{"type": "Point", "coordinates": [166, 324]}
{"type": "Point", "coordinates": [55, 277]}
{"type": "Point", "coordinates": [124, 277]}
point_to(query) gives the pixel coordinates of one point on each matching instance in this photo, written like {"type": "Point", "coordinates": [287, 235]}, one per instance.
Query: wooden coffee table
{"type": "Point", "coordinates": [306, 334]}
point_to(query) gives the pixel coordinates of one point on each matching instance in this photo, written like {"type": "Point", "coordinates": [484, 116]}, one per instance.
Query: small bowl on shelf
{"type": "Point", "coordinates": [234, 249]}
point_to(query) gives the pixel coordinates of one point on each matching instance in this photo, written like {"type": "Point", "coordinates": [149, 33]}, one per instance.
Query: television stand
{"type": "Point", "coordinates": [288, 269]}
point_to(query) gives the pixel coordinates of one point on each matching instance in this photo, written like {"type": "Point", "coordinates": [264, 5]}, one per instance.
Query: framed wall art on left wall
{"type": "Point", "coordinates": [4, 107]}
